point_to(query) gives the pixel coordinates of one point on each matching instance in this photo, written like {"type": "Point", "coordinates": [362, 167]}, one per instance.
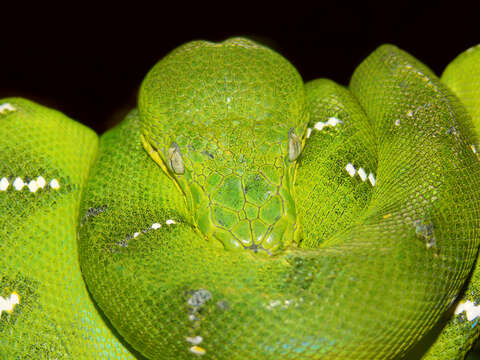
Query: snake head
{"type": "Point", "coordinates": [231, 145]}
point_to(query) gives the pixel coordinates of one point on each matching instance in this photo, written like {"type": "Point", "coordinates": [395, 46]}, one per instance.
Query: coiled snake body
{"type": "Point", "coordinates": [242, 214]}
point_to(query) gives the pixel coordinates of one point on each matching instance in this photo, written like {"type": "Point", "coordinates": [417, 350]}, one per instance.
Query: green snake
{"type": "Point", "coordinates": [240, 213]}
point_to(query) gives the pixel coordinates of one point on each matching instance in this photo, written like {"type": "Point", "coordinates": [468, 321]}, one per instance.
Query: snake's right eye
{"type": "Point", "coordinates": [175, 160]}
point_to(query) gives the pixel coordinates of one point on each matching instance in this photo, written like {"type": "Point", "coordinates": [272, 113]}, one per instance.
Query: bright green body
{"type": "Point", "coordinates": [240, 214]}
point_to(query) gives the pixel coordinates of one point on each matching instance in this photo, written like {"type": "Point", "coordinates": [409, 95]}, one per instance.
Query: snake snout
{"type": "Point", "coordinates": [248, 212]}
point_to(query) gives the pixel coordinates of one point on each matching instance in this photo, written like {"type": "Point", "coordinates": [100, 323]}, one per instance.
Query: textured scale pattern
{"type": "Point", "coordinates": [237, 179]}
{"type": "Point", "coordinates": [354, 250]}
{"type": "Point", "coordinates": [55, 317]}
{"type": "Point", "coordinates": [462, 77]}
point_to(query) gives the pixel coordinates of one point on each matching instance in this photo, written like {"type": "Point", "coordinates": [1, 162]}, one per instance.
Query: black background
{"type": "Point", "coordinates": [88, 60]}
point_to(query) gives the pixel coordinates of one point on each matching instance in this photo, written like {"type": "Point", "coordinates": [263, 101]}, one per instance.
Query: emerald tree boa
{"type": "Point", "coordinates": [240, 213]}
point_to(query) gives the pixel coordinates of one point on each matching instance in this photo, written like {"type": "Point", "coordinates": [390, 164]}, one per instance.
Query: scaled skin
{"type": "Point", "coordinates": [237, 176]}
{"type": "Point", "coordinates": [228, 239]}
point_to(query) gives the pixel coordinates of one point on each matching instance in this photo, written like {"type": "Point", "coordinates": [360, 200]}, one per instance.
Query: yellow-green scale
{"type": "Point", "coordinates": [55, 317]}
{"type": "Point", "coordinates": [238, 179]}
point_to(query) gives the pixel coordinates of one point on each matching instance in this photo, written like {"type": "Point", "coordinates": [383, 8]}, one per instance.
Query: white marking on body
{"type": "Point", "coordinates": [18, 184]}
{"type": "Point", "coordinates": [124, 242]}
{"type": "Point", "coordinates": [474, 149]}
{"type": "Point", "coordinates": [4, 184]}
{"type": "Point", "coordinates": [273, 303]}
{"type": "Point", "coordinates": [41, 182]}
{"type": "Point", "coordinates": [194, 340]}
{"type": "Point", "coordinates": [170, 222]}
{"type": "Point", "coordinates": [284, 305]}
{"type": "Point", "coordinates": [309, 132]}
{"type": "Point", "coordinates": [7, 107]}
{"type": "Point", "coordinates": [350, 169]}
{"type": "Point", "coordinates": [362, 174]}
{"type": "Point", "coordinates": [32, 186]}
{"type": "Point", "coordinates": [9, 303]}
{"type": "Point", "coordinates": [197, 350]}
{"type": "Point", "coordinates": [54, 184]}
{"type": "Point", "coordinates": [471, 311]}
{"type": "Point", "coordinates": [332, 121]}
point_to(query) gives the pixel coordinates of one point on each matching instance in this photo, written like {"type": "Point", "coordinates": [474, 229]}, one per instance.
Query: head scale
{"type": "Point", "coordinates": [227, 121]}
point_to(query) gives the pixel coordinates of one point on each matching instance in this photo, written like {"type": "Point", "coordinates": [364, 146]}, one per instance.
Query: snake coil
{"type": "Point", "coordinates": [242, 214]}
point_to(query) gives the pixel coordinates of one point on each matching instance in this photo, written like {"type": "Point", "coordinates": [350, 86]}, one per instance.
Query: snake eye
{"type": "Point", "coordinates": [294, 145]}
{"type": "Point", "coordinates": [175, 160]}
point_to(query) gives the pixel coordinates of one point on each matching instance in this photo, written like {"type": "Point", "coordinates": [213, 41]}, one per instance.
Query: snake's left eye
{"type": "Point", "coordinates": [294, 145]}
{"type": "Point", "coordinates": [175, 160]}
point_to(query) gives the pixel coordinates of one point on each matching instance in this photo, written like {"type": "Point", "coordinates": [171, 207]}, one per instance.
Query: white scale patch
{"type": "Point", "coordinates": [4, 184]}
{"type": "Point", "coordinates": [194, 340]}
{"type": "Point", "coordinates": [309, 132]}
{"type": "Point", "coordinates": [471, 311]}
{"type": "Point", "coordinates": [283, 304]}
{"type": "Point", "coordinates": [361, 173]}
{"type": "Point", "coordinates": [332, 121]}
{"type": "Point", "coordinates": [154, 226]}
{"type": "Point", "coordinates": [41, 182]}
{"type": "Point", "coordinates": [33, 185]}
{"type": "Point", "coordinates": [6, 107]}
{"type": "Point", "coordinates": [371, 178]}
{"type": "Point", "coordinates": [18, 184]}
{"type": "Point", "coordinates": [9, 303]}
{"type": "Point", "coordinates": [350, 169]}
{"type": "Point", "coordinates": [54, 184]}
